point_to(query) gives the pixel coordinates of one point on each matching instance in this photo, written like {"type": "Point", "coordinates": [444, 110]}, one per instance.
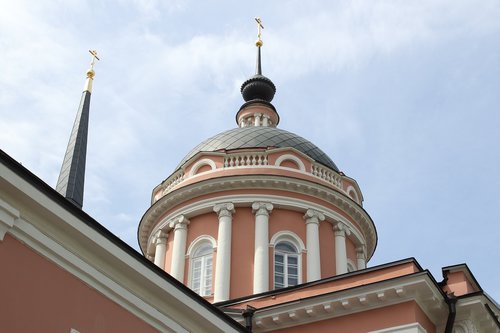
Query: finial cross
{"type": "Point", "coordinates": [94, 57]}
{"type": "Point", "coordinates": [259, 26]}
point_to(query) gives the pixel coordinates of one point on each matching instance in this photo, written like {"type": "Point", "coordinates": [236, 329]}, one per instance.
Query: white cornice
{"type": "Point", "coordinates": [8, 216]}
{"type": "Point", "coordinates": [218, 185]}
{"type": "Point", "coordinates": [418, 288]}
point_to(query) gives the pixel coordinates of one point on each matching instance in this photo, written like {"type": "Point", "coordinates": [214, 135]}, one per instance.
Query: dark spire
{"type": "Point", "coordinates": [72, 177]}
{"type": "Point", "coordinates": [258, 69]}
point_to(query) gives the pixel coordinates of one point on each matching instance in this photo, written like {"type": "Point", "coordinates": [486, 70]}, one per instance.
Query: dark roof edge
{"type": "Point", "coordinates": [34, 180]}
{"type": "Point", "coordinates": [325, 280]}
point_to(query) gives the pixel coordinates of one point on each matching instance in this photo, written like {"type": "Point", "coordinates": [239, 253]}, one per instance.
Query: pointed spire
{"type": "Point", "coordinates": [72, 176]}
{"type": "Point", "coordinates": [259, 91]}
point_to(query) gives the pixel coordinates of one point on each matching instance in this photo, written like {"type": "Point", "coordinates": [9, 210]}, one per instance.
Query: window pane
{"type": "Point", "coordinates": [293, 260]}
{"type": "Point", "coordinates": [278, 268]}
{"type": "Point", "coordinates": [292, 281]}
{"type": "Point", "coordinates": [202, 250]}
{"type": "Point", "coordinates": [286, 247]}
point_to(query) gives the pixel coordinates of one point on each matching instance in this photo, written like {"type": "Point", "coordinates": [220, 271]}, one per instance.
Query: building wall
{"type": "Point", "coordinates": [39, 296]}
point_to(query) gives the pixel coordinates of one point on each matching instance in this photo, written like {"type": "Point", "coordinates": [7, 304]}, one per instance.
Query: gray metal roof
{"type": "Point", "coordinates": [260, 137]}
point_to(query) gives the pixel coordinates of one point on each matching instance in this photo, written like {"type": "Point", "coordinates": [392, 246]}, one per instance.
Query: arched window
{"type": "Point", "coordinates": [201, 270]}
{"type": "Point", "coordinates": [286, 265]}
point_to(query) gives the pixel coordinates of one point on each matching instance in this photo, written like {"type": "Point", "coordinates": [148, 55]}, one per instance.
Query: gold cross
{"type": "Point", "coordinates": [259, 29]}
{"type": "Point", "coordinates": [94, 57]}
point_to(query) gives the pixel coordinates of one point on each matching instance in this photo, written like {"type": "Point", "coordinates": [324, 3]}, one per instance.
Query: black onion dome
{"type": "Point", "coordinates": [258, 87]}
{"type": "Point", "coordinates": [260, 137]}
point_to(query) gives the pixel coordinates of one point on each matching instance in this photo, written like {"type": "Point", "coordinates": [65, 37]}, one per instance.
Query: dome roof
{"type": "Point", "coordinates": [261, 137]}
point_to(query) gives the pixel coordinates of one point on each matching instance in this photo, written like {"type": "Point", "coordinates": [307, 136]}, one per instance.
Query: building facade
{"type": "Point", "coordinates": [256, 230]}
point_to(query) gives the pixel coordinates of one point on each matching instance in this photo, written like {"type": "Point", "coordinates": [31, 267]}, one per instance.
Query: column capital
{"type": "Point", "coordinates": [262, 208]}
{"type": "Point", "coordinates": [161, 237]}
{"type": "Point", "coordinates": [341, 229]}
{"type": "Point", "coordinates": [360, 252]}
{"type": "Point", "coordinates": [224, 209]}
{"type": "Point", "coordinates": [180, 222]}
{"type": "Point", "coordinates": [313, 216]}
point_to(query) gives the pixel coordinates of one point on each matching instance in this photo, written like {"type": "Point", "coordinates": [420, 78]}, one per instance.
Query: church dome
{"type": "Point", "coordinates": [260, 137]}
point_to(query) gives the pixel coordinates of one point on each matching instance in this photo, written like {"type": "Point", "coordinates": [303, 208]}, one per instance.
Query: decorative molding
{"type": "Point", "coordinates": [408, 328]}
{"type": "Point", "coordinates": [224, 209]}
{"type": "Point", "coordinates": [351, 266]}
{"type": "Point", "coordinates": [465, 326]}
{"type": "Point", "coordinates": [350, 189]}
{"type": "Point", "coordinates": [313, 216]}
{"type": "Point", "coordinates": [419, 288]}
{"type": "Point", "coordinates": [161, 237]}
{"type": "Point", "coordinates": [180, 222]}
{"type": "Point", "coordinates": [290, 236]}
{"type": "Point", "coordinates": [201, 239]}
{"type": "Point", "coordinates": [262, 208]}
{"type": "Point", "coordinates": [341, 229]}
{"type": "Point", "coordinates": [199, 164]}
{"type": "Point", "coordinates": [8, 216]}
{"type": "Point", "coordinates": [293, 158]}
{"type": "Point", "coordinates": [367, 234]}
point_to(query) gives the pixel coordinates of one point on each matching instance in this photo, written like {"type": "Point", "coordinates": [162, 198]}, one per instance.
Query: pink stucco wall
{"type": "Point", "coordinates": [39, 296]}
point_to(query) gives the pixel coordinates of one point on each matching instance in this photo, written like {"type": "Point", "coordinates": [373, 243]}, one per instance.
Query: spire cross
{"type": "Point", "coordinates": [259, 30]}
{"type": "Point", "coordinates": [94, 57]}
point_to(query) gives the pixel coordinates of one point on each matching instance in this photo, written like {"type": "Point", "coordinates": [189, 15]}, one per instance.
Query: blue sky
{"type": "Point", "coordinates": [403, 95]}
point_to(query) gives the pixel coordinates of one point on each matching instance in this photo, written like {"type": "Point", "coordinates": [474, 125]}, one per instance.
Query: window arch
{"type": "Point", "coordinates": [201, 265]}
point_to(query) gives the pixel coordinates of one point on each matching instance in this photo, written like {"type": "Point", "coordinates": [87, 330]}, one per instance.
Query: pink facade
{"type": "Point", "coordinates": [42, 291]}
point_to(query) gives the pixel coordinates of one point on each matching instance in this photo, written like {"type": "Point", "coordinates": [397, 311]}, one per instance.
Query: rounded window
{"type": "Point", "coordinates": [201, 270]}
{"type": "Point", "coordinates": [286, 265]}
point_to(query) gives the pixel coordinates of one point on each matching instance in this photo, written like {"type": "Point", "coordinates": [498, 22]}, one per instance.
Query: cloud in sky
{"type": "Point", "coordinates": [402, 95]}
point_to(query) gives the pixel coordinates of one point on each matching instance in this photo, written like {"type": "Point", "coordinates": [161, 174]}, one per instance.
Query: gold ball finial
{"type": "Point", "coordinates": [90, 73]}
{"type": "Point", "coordinates": [259, 43]}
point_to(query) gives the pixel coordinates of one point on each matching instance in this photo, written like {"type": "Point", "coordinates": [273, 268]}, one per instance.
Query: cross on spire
{"type": "Point", "coordinates": [259, 41]}
{"type": "Point", "coordinates": [94, 57]}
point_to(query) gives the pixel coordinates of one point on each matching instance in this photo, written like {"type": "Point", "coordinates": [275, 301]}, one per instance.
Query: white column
{"type": "Point", "coordinates": [223, 262]}
{"type": "Point", "coordinates": [361, 257]}
{"type": "Point", "coordinates": [313, 218]}
{"type": "Point", "coordinates": [256, 117]}
{"type": "Point", "coordinates": [261, 254]}
{"type": "Point", "coordinates": [341, 231]}
{"type": "Point", "coordinates": [265, 120]}
{"type": "Point", "coordinates": [161, 248]}
{"type": "Point", "coordinates": [179, 248]}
